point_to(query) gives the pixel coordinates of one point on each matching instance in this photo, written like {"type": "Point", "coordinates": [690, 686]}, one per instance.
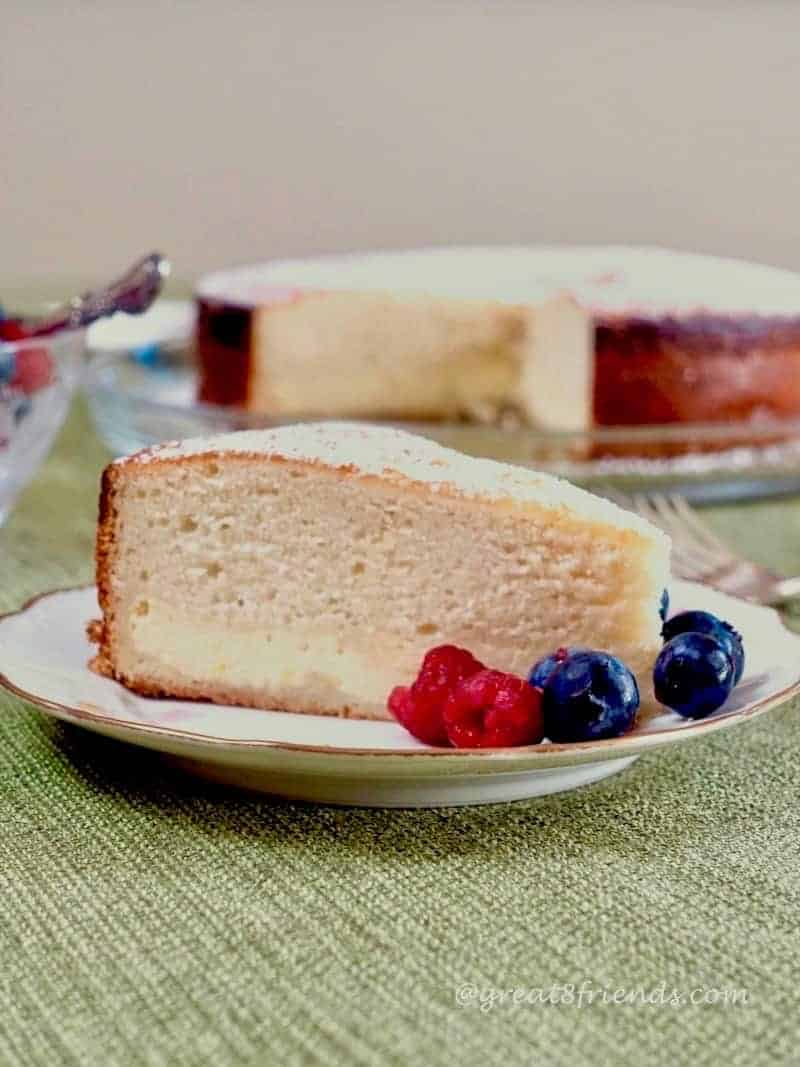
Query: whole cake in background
{"type": "Point", "coordinates": [569, 339]}
{"type": "Point", "coordinates": [311, 567]}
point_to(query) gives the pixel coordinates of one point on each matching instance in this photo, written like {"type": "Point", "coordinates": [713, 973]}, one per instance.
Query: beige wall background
{"type": "Point", "coordinates": [225, 132]}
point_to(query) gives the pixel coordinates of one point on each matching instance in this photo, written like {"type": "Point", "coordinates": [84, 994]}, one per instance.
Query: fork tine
{"type": "Point", "coordinates": [642, 504]}
{"type": "Point", "coordinates": [693, 553]}
{"type": "Point", "coordinates": [687, 565]}
{"type": "Point", "coordinates": [662, 506]}
{"type": "Point", "coordinates": [656, 508]}
{"type": "Point", "coordinates": [698, 554]}
{"type": "Point", "coordinates": [699, 527]}
{"type": "Point", "coordinates": [616, 496]}
{"type": "Point", "coordinates": [693, 532]}
{"type": "Point", "coordinates": [682, 533]}
{"type": "Point", "coordinates": [639, 503]}
{"type": "Point", "coordinates": [696, 551]}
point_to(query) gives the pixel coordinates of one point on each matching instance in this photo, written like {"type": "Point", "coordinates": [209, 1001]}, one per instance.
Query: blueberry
{"type": "Point", "coordinates": [663, 607]}
{"type": "Point", "coordinates": [703, 622]}
{"type": "Point", "coordinates": [589, 696]}
{"type": "Point", "coordinates": [693, 675]}
{"type": "Point", "coordinates": [150, 355]}
{"type": "Point", "coordinates": [22, 408]}
{"type": "Point", "coordinates": [539, 674]}
{"type": "Point", "coordinates": [7, 364]}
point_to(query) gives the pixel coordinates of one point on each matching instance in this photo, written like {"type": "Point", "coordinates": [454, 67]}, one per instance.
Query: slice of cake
{"type": "Point", "coordinates": [309, 568]}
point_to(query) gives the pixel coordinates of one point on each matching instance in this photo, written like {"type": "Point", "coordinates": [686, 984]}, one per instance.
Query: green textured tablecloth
{"type": "Point", "coordinates": [148, 918]}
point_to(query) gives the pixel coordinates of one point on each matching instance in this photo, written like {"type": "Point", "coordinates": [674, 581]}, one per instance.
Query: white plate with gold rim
{"type": "Point", "coordinates": [44, 654]}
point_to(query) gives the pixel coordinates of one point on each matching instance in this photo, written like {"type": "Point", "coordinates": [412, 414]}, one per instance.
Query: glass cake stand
{"type": "Point", "coordinates": [141, 396]}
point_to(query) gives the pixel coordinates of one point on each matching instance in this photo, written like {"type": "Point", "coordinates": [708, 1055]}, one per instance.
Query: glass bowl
{"type": "Point", "coordinates": [144, 395]}
{"type": "Point", "coordinates": [37, 379]}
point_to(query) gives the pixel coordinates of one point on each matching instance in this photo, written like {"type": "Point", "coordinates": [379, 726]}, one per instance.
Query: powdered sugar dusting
{"type": "Point", "coordinates": [603, 279]}
{"type": "Point", "coordinates": [383, 451]}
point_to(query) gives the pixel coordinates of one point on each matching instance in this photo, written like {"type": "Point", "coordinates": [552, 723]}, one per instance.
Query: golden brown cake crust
{"type": "Point", "coordinates": [699, 368]}
{"type": "Point", "coordinates": [99, 630]}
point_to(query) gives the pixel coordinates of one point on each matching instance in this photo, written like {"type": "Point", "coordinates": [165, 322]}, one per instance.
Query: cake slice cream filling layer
{"type": "Point", "coordinates": [327, 671]}
{"type": "Point", "coordinates": [330, 669]}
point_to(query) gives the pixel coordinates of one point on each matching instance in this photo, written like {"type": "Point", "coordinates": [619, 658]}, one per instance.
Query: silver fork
{"type": "Point", "coordinates": [700, 556]}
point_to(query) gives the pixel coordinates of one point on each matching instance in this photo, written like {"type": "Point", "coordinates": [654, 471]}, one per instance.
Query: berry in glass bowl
{"type": "Point", "coordinates": [38, 376]}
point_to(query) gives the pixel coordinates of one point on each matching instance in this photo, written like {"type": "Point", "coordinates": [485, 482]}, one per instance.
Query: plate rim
{"type": "Point", "coordinates": [546, 753]}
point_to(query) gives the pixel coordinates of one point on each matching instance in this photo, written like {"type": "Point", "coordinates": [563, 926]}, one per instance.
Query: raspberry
{"type": "Point", "coordinates": [33, 370]}
{"type": "Point", "coordinates": [491, 709]}
{"type": "Point", "coordinates": [12, 330]}
{"type": "Point", "coordinates": [420, 716]}
{"type": "Point", "coordinates": [445, 666]}
{"type": "Point", "coordinates": [419, 707]}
